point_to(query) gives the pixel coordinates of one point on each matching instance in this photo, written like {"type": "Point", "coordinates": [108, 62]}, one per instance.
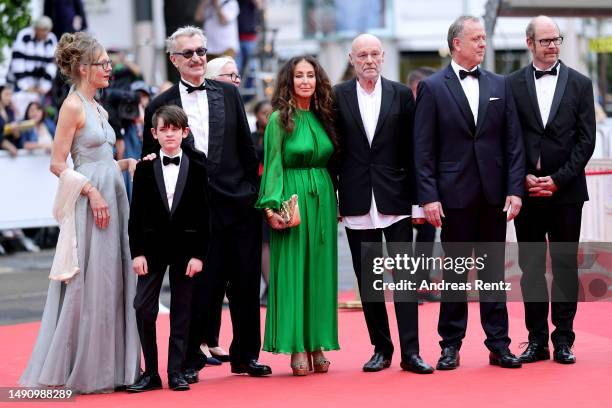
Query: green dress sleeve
{"type": "Point", "coordinates": [271, 188]}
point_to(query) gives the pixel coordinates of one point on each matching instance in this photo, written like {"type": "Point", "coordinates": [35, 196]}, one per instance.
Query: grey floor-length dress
{"type": "Point", "coordinates": [88, 339]}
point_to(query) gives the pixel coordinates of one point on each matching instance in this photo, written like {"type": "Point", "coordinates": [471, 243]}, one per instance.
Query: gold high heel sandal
{"type": "Point", "coordinates": [319, 363]}
{"type": "Point", "coordinates": [301, 368]}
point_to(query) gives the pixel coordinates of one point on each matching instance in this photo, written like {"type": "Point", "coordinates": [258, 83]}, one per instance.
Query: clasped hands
{"type": "Point", "coordinates": [141, 268]}
{"type": "Point", "coordinates": [540, 186]}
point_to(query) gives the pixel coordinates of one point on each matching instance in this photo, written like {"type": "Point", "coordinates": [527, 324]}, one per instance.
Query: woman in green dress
{"type": "Point", "coordinates": [299, 142]}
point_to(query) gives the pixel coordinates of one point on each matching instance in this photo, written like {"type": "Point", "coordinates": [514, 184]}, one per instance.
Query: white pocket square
{"type": "Point", "coordinates": [493, 99]}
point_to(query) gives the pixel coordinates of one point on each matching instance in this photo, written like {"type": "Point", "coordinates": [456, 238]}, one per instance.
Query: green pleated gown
{"type": "Point", "coordinates": [303, 293]}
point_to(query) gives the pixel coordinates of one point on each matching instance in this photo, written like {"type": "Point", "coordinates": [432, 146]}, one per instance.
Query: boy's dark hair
{"type": "Point", "coordinates": [171, 115]}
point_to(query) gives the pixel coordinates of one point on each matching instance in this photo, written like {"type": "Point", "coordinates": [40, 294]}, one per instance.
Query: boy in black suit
{"type": "Point", "coordinates": [168, 227]}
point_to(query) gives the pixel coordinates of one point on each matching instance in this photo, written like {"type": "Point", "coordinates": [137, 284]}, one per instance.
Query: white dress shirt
{"type": "Point", "coordinates": [545, 91]}
{"type": "Point", "coordinates": [470, 88]}
{"type": "Point", "coordinates": [195, 105]}
{"type": "Point", "coordinates": [170, 172]}
{"type": "Point", "coordinates": [369, 108]}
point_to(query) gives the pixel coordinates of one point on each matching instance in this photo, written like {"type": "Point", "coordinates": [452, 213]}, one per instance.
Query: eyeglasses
{"type": "Point", "coordinates": [233, 76]}
{"type": "Point", "coordinates": [108, 64]}
{"type": "Point", "coordinates": [545, 42]}
{"type": "Point", "coordinates": [188, 54]}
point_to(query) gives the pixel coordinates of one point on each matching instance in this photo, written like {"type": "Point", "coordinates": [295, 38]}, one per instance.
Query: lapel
{"type": "Point", "coordinates": [533, 96]}
{"type": "Point", "coordinates": [180, 182]}
{"type": "Point", "coordinates": [454, 86]}
{"type": "Point", "coordinates": [559, 91]}
{"type": "Point", "coordinates": [216, 121]}
{"type": "Point", "coordinates": [159, 179]}
{"type": "Point", "coordinates": [350, 92]}
{"type": "Point", "coordinates": [388, 93]}
{"type": "Point", "coordinates": [173, 96]}
{"type": "Point", "coordinates": [484, 91]}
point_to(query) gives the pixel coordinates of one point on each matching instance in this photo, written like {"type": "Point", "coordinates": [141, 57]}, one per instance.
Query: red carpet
{"type": "Point", "coordinates": [475, 383]}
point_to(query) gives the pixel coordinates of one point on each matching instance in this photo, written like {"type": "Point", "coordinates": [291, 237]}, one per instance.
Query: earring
{"type": "Point", "coordinates": [316, 101]}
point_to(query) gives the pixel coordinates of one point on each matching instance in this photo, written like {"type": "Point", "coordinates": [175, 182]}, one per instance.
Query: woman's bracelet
{"type": "Point", "coordinates": [269, 213]}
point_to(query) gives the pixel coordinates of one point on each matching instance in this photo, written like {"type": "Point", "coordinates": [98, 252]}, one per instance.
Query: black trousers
{"type": "Point", "coordinates": [561, 224]}
{"type": "Point", "coordinates": [423, 245]}
{"type": "Point", "coordinates": [233, 267]}
{"type": "Point", "coordinates": [374, 308]}
{"type": "Point", "coordinates": [479, 229]}
{"type": "Point", "coordinates": [146, 304]}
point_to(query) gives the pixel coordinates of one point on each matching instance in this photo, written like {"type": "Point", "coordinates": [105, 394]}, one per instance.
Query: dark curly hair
{"type": "Point", "coordinates": [320, 104]}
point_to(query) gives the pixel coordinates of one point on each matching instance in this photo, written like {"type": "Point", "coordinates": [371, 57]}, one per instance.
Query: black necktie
{"type": "Point", "coordinates": [539, 74]}
{"type": "Point", "coordinates": [191, 89]}
{"type": "Point", "coordinates": [463, 73]}
{"type": "Point", "coordinates": [171, 160]}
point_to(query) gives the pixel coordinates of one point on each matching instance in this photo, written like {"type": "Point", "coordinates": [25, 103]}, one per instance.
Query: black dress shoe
{"type": "Point", "coordinates": [563, 354]}
{"type": "Point", "coordinates": [213, 361]}
{"type": "Point", "coordinates": [191, 376]}
{"type": "Point", "coordinates": [177, 382]}
{"type": "Point", "coordinates": [415, 364]}
{"type": "Point", "coordinates": [449, 359]}
{"type": "Point", "coordinates": [534, 352]}
{"type": "Point", "coordinates": [252, 368]}
{"type": "Point", "coordinates": [221, 358]}
{"type": "Point", "coordinates": [504, 359]}
{"type": "Point", "coordinates": [146, 382]}
{"type": "Point", "coordinates": [377, 362]}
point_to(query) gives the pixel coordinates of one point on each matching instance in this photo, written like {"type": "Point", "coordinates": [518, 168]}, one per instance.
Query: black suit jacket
{"type": "Point", "coordinates": [386, 167]}
{"type": "Point", "coordinates": [166, 234]}
{"type": "Point", "coordinates": [564, 144]}
{"type": "Point", "coordinates": [232, 162]}
{"type": "Point", "coordinates": [456, 158]}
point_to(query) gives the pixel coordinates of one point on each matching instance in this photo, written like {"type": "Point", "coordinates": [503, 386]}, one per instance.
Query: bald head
{"type": "Point", "coordinates": [540, 23]}
{"type": "Point", "coordinates": [367, 56]}
{"type": "Point", "coordinates": [365, 40]}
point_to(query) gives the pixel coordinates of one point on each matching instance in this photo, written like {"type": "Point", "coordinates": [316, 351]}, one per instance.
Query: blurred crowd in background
{"type": "Point", "coordinates": [33, 91]}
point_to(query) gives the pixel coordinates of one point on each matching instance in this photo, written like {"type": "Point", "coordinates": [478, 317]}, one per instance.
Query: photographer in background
{"type": "Point", "coordinates": [125, 100]}
{"type": "Point", "coordinates": [119, 100]}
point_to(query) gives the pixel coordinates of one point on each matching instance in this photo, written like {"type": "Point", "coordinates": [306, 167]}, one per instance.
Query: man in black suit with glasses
{"type": "Point", "coordinates": [557, 115]}
{"type": "Point", "coordinates": [219, 139]}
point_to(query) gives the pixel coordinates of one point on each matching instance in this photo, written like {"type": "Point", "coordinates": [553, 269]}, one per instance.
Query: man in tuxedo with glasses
{"type": "Point", "coordinates": [557, 116]}
{"type": "Point", "coordinates": [219, 139]}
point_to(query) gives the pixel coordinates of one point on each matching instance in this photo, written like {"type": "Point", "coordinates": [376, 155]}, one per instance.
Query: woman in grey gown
{"type": "Point", "coordinates": [88, 340]}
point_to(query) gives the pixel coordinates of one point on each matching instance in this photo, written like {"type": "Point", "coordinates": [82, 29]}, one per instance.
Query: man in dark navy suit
{"type": "Point", "coordinates": [470, 167]}
{"type": "Point", "coordinates": [557, 114]}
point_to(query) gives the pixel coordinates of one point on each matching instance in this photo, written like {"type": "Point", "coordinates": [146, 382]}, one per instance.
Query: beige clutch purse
{"type": "Point", "coordinates": [290, 211]}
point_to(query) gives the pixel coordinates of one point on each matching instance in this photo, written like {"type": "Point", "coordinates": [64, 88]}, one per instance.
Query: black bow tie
{"type": "Point", "coordinates": [171, 160]}
{"type": "Point", "coordinates": [539, 74]}
{"type": "Point", "coordinates": [191, 89]}
{"type": "Point", "coordinates": [463, 73]}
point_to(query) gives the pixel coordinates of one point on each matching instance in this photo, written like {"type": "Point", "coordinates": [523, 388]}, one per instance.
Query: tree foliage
{"type": "Point", "coordinates": [14, 15]}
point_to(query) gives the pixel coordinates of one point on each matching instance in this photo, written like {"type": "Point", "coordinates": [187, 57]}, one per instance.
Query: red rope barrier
{"type": "Point", "coordinates": [598, 172]}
